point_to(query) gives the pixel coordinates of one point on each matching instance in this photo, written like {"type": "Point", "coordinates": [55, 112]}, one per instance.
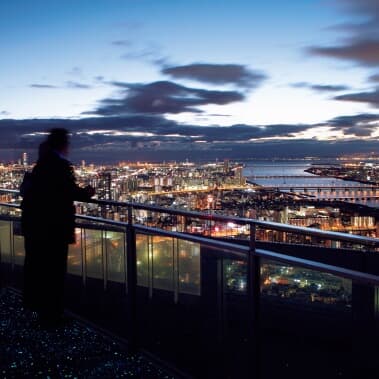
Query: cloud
{"type": "Point", "coordinates": [111, 139]}
{"type": "Point", "coordinates": [100, 130]}
{"type": "Point", "coordinates": [370, 98]}
{"type": "Point", "coordinates": [235, 74]}
{"type": "Point", "coordinates": [148, 51]}
{"type": "Point", "coordinates": [75, 71]}
{"type": "Point", "coordinates": [360, 125]}
{"type": "Point", "coordinates": [374, 78]}
{"type": "Point", "coordinates": [365, 7]}
{"type": "Point", "coordinates": [362, 51]}
{"type": "Point", "coordinates": [42, 86]}
{"type": "Point", "coordinates": [321, 87]}
{"type": "Point", "coordinates": [219, 115]}
{"type": "Point", "coordinates": [69, 84]}
{"type": "Point", "coordinates": [151, 52]}
{"type": "Point", "coordinates": [162, 97]}
{"type": "Point", "coordinates": [123, 43]}
{"type": "Point", "coordinates": [361, 44]}
{"type": "Point", "coordinates": [77, 85]}
{"type": "Point", "coordinates": [4, 113]}
{"type": "Point", "coordinates": [155, 152]}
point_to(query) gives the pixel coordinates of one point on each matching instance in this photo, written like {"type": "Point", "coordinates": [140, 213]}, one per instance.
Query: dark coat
{"type": "Point", "coordinates": [48, 202]}
{"type": "Point", "coordinates": [48, 223]}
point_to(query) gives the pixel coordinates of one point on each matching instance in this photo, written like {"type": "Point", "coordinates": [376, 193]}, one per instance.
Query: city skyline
{"type": "Point", "coordinates": [176, 80]}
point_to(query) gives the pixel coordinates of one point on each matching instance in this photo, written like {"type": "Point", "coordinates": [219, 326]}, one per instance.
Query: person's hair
{"type": "Point", "coordinates": [58, 138]}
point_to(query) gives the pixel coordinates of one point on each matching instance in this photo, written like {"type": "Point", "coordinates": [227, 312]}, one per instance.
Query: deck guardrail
{"type": "Point", "coordinates": [249, 252]}
{"type": "Point", "coordinates": [338, 236]}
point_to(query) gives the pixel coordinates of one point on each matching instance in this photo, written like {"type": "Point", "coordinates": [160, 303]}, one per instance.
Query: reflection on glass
{"type": "Point", "coordinates": [94, 253]}
{"type": "Point", "coordinates": [74, 259]}
{"type": "Point", "coordinates": [5, 241]}
{"type": "Point", "coordinates": [235, 275]}
{"type": "Point", "coordinates": [169, 264]}
{"type": "Point", "coordinates": [163, 264]}
{"type": "Point", "coordinates": [142, 244]}
{"type": "Point", "coordinates": [297, 284]}
{"type": "Point", "coordinates": [115, 248]}
{"type": "Point", "coordinates": [19, 249]}
{"type": "Point", "coordinates": [189, 267]}
{"type": "Point", "coordinates": [18, 243]}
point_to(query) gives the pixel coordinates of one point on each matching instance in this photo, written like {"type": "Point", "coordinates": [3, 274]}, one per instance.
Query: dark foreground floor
{"type": "Point", "coordinates": [72, 351]}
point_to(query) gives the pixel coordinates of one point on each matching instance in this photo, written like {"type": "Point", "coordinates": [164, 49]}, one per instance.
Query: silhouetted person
{"type": "Point", "coordinates": [48, 223]}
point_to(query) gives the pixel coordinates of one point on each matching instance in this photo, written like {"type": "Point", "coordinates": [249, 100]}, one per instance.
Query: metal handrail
{"type": "Point", "coordinates": [337, 236]}
{"type": "Point", "coordinates": [242, 221]}
{"type": "Point", "coordinates": [242, 251]}
{"type": "Point", "coordinates": [358, 276]}
{"type": "Point", "coordinates": [6, 190]}
{"type": "Point", "coordinates": [10, 205]}
{"type": "Point", "coordinates": [250, 254]}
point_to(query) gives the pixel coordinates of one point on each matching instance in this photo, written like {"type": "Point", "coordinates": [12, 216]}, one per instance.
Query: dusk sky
{"type": "Point", "coordinates": [173, 79]}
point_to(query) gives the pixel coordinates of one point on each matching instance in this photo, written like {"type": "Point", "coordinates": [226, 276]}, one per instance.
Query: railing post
{"type": "Point", "coordinates": [253, 293]}
{"type": "Point", "coordinates": [84, 256]}
{"type": "Point", "coordinates": [11, 245]}
{"type": "Point", "coordinates": [104, 255]}
{"type": "Point", "coordinates": [364, 312]}
{"type": "Point", "coordinates": [220, 300]}
{"type": "Point", "coordinates": [184, 224]}
{"type": "Point", "coordinates": [175, 269]}
{"type": "Point", "coordinates": [131, 255]}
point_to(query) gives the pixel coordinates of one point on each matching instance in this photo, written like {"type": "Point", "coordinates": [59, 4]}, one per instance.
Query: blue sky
{"type": "Point", "coordinates": [313, 64]}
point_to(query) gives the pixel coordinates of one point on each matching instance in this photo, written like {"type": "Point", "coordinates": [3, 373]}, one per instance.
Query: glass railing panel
{"type": "Point", "coordinates": [163, 263]}
{"type": "Point", "coordinates": [235, 276]}
{"type": "Point", "coordinates": [75, 255]}
{"type": "Point", "coordinates": [169, 264]}
{"type": "Point", "coordinates": [308, 287]}
{"type": "Point", "coordinates": [94, 253]}
{"type": "Point", "coordinates": [6, 241]}
{"type": "Point", "coordinates": [115, 247]}
{"type": "Point", "coordinates": [18, 244]}
{"type": "Point", "coordinates": [143, 246]}
{"type": "Point", "coordinates": [182, 302]}
{"type": "Point", "coordinates": [234, 313]}
{"type": "Point", "coordinates": [188, 267]}
{"type": "Point", "coordinates": [306, 316]}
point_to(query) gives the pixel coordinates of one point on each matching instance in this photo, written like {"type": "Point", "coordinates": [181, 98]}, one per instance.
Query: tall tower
{"type": "Point", "coordinates": [104, 186]}
{"type": "Point", "coordinates": [24, 159]}
{"type": "Point", "coordinates": [226, 166]}
{"type": "Point", "coordinates": [238, 174]}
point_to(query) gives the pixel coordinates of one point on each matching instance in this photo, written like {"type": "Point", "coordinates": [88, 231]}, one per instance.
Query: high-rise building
{"type": "Point", "coordinates": [103, 188]}
{"type": "Point", "coordinates": [226, 166]}
{"type": "Point", "coordinates": [24, 159]}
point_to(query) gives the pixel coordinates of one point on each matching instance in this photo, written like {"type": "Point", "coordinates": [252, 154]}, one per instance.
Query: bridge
{"type": "Point", "coordinates": [327, 192]}
{"type": "Point", "coordinates": [305, 187]}
{"type": "Point", "coordinates": [284, 177]}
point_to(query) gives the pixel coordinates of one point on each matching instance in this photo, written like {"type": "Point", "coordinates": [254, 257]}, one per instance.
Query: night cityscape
{"type": "Point", "coordinates": [217, 188]}
{"type": "Point", "coordinates": [189, 189]}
